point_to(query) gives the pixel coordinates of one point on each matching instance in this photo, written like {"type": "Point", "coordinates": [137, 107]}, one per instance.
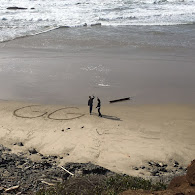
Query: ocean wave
{"type": "Point", "coordinates": [62, 14]}
{"type": "Point", "coordinates": [26, 34]}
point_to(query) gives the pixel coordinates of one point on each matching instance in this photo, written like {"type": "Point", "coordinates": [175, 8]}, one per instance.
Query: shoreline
{"type": "Point", "coordinates": [65, 66]}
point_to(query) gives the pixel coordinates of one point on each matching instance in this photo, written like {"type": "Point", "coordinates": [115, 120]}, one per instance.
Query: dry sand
{"type": "Point", "coordinates": [126, 136]}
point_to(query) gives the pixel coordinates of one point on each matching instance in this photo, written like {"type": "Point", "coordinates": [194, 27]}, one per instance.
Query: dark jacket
{"type": "Point", "coordinates": [99, 104]}
{"type": "Point", "coordinates": [90, 101]}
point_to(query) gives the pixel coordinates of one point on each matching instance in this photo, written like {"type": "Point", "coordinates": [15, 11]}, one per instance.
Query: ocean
{"type": "Point", "coordinates": [45, 15]}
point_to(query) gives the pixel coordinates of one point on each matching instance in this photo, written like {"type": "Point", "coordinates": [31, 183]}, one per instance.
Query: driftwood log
{"type": "Point", "coordinates": [12, 188]}
{"type": "Point", "coordinates": [119, 100]}
{"type": "Point", "coordinates": [67, 171]}
{"type": "Point", "coordinates": [50, 184]}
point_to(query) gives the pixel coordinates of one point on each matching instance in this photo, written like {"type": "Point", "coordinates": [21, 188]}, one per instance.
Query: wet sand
{"type": "Point", "coordinates": [65, 66]}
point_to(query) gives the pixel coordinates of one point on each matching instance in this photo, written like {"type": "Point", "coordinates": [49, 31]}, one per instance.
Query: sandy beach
{"type": "Point", "coordinates": [125, 137]}
{"type": "Point", "coordinates": [45, 81]}
{"type": "Point", "coordinates": [55, 54]}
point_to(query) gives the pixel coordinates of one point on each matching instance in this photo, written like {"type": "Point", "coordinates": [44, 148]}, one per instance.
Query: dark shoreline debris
{"type": "Point", "coordinates": [15, 8]}
{"type": "Point", "coordinates": [119, 100]}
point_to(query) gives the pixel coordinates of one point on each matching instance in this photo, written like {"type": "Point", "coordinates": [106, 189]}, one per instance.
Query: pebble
{"type": "Point", "coordinates": [19, 144]}
{"type": "Point", "coordinates": [32, 151]}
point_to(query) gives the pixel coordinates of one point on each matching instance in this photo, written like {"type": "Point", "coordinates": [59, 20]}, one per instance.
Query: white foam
{"type": "Point", "coordinates": [58, 13]}
{"type": "Point", "coordinates": [103, 85]}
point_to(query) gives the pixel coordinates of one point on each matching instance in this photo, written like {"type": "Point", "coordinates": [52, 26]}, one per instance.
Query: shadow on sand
{"type": "Point", "coordinates": [108, 117]}
{"type": "Point", "coordinates": [111, 117]}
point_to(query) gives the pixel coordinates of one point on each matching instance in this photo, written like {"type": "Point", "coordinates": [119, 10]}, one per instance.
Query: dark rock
{"type": "Point", "coordinates": [1, 189]}
{"type": "Point", "coordinates": [97, 24]}
{"type": "Point", "coordinates": [46, 164]}
{"type": "Point", "coordinates": [150, 163]}
{"type": "Point", "coordinates": [176, 164]}
{"type": "Point", "coordinates": [15, 8]}
{"type": "Point", "coordinates": [157, 165]}
{"type": "Point", "coordinates": [68, 128]}
{"type": "Point", "coordinates": [32, 151]}
{"type": "Point", "coordinates": [155, 172]}
{"type": "Point", "coordinates": [19, 144]}
{"type": "Point", "coordinates": [21, 162]}
{"type": "Point", "coordinates": [164, 165]}
{"type": "Point", "coordinates": [135, 168]}
{"type": "Point", "coordinates": [142, 167]}
{"type": "Point", "coordinates": [162, 169]}
{"type": "Point", "coordinates": [44, 157]}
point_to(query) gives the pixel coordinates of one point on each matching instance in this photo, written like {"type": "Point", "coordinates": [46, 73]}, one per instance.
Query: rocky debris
{"type": "Point", "coordinates": [162, 172]}
{"type": "Point", "coordinates": [184, 184]}
{"type": "Point", "coordinates": [1, 189]}
{"type": "Point", "coordinates": [19, 174]}
{"type": "Point", "coordinates": [4, 149]}
{"type": "Point", "coordinates": [181, 185]}
{"type": "Point", "coordinates": [18, 170]}
{"type": "Point", "coordinates": [16, 8]}
{"type": "Point", "coordinates": [87, 169]}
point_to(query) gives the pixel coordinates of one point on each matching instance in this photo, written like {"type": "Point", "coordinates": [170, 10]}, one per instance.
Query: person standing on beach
{"type": "Point", "coordinates": [90, 103]}
{"type": "Point", "coordinates": [98, 107]}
